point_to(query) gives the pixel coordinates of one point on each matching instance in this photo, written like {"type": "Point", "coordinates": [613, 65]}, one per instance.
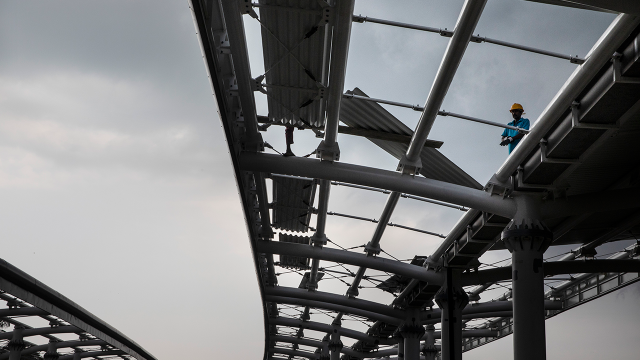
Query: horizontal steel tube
{"type": "Point", "coordinates": [441, 113]}
{"type": "Point", "coordinates": [573, 59]}
{"type": "Point", "coordinates": [23, 311]}
{"type": "Point", "coordinates": [601, 53]}
{"type": "Point", "coordinates": [326, 328]}
{"type": "Point", "coordinates": [88, 354]}
{"type": "Point", "coordinates": [382, 101]}
{"type": "Point", "coordinates": [333, 307]}
{"type": "Point", "coordinates": [351, 258]}
{"type": "Point", "coordinates": [43, 331]}
{"type": "Point", "coordinates": [59, 345]}
{"type": "Point", "coordinates": [345, 350]}
{"type": "Point", "coordinates": [335, 299]}
{"type": "Point", "coordinates": [476, 39]}
{"type": "Point", "coordinates": [384, 179]}
{"type": "Point", "coordinates": [362, 19]}
{"type": "Point", "coordinates": [487, 122]}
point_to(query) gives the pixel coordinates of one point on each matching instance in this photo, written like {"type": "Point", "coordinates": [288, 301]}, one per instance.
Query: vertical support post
{"type": "Point", "coordinates": [400, 340]}
{"type": "Point", "coordinates": [452, 299]}
{"type": "Point", "coordinates": [324, 352]}
{"type": "Point", "coordinates": [77, 354]}
{"type": "Point", "coordinates": [319, 238]}
{"type": "Point", "coordinates": [335, 345]}
{"type": "Point", "coordinates": [16, 345]}
{"type": "Point", "coordinates": [429, 349]}
{"type": "Point", "coordinates": [527, 240]}
{"type": "Point", "coordinates": [52, 351]}
{"type": "Point", "coordinates": [412, 331]}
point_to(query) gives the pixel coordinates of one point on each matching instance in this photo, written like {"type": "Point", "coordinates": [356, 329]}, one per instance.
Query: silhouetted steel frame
{"type": "Point", "coordinates": [21, 285]}
{"type": "Point", "coordinates": [622, 25]}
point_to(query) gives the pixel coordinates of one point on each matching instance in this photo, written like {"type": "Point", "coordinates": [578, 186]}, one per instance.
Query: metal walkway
{"type": "Point", "coordinates": [573, 179]}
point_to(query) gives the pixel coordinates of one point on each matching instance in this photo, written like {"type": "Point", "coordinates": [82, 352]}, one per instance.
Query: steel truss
{"type": "Point", "coordinates": [526, 207]}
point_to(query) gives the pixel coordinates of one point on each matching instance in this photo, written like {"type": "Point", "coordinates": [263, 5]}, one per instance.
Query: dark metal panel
{"type": "Point", "coordinates": [371, 116]}
{"type": "Point", "coordinates": [292, 202]}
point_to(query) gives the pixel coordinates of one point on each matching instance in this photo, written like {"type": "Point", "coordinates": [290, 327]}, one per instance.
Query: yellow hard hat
{"type": "Point", "coordinates": [516, 106]}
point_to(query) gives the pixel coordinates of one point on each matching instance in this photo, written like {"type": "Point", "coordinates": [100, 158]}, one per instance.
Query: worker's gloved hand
{"type": "Point", "coordinates": [505, 141]}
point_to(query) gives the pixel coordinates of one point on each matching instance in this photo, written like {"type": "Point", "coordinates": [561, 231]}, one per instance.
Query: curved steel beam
{"type": "Point", "coordinates": [345, 350]}
{"type": "Point", "coordinates": [326, 328]}
{"type": "Point", "coordinates": [333, 307]}
{"type": "Point", "coordinates": [87, 354]}
{"type": "Point", "coordinates": [351, 258]}
{"type": "Point", "coordinates": [43, 331]}
{"type": "Point", "coordinates": [23, 311]}
{"type": "Point", "coordinates": [59, 345]}
{"type": "Point", "coordinates": [25, 287]}
{"type": "Point", "coordinates": [378, 178]}
{"type": "Point", "coordinates": [554, 268]}
{"type": "Point", "coordinates": [335, 299]}
{"type": "Point", "coordinates": [290, 352]}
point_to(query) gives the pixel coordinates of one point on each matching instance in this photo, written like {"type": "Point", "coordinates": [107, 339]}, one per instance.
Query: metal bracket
{"type": "Point", "coordinates": [545, 159]}
{"type": "Point", "coordinates": [520, 184]}
{"type": "Point", "coordinates": [616, 59]}
{"type": "Point", "coordinates": [576, 124]}
{"type": "Point", "coordinates": [408, 167]}
{"type": "Point", "coordinates": [372, 249]}
{"type": "Point", "coordinates": [328, 152]}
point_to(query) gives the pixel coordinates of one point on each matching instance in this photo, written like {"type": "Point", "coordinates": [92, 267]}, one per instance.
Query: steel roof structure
{"type": "Point", "coordinates": [573, 179]}
{"type": "Point", "coordinates": [35, 311]}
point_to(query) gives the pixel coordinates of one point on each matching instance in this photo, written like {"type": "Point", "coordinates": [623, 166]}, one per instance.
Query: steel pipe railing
{"type": "Point", "coordinates": [599, 55]}
{"type": "Point", "coordinates": [440, 113]}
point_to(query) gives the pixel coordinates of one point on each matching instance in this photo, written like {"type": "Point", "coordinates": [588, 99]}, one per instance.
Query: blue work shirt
{"type": "Point", "coordinates": [523, 124]}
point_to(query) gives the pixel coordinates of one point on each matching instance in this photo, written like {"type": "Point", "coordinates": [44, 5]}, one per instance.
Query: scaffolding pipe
{"type": "Point", "coordinates": [339, 54]}
{"type": "Point", "coordinates": [477, 39]}
{"type": "Point", "coordinates": [455, 50]}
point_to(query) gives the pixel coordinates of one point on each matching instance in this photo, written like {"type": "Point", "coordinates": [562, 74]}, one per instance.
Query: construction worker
{"type": "Point", "coordinates": [512, 137]}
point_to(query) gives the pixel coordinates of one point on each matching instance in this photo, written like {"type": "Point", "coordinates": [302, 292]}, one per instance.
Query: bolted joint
{"type": "Point", "coordinates": [17, 342]}
{"type": "Point", "coordinates": [372, 249]}
{"type": "Point", "coordinates": [353, 292]}
{"type": "Point", "coordinates": [328, 152]}
{"type": "Point", "coordinates": [587, 253]}
{"type": "Point", "coordinates": [458, 295]}
{"type": "Point", "coordinates": [528, 235]}
{"type": "Point", "coordinates": [409, 167]}
{"type": "Point", "coordinates": [335, 345]}
{"type": "Point", "coordinates": [319, 240]}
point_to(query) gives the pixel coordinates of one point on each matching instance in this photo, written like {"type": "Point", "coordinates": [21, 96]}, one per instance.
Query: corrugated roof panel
{"type": "Point", "coordinates": [369, 115]}
{"type": "Point", "coordinates": [294, 64]}
{"type": "Point", "coordinates": [292, 202]}
{"type": "Point", "coordinates": [297, 262]}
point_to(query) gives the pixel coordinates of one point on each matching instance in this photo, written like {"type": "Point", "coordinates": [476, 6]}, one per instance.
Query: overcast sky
{"type": "Point", "coordinates": [117, 190]}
